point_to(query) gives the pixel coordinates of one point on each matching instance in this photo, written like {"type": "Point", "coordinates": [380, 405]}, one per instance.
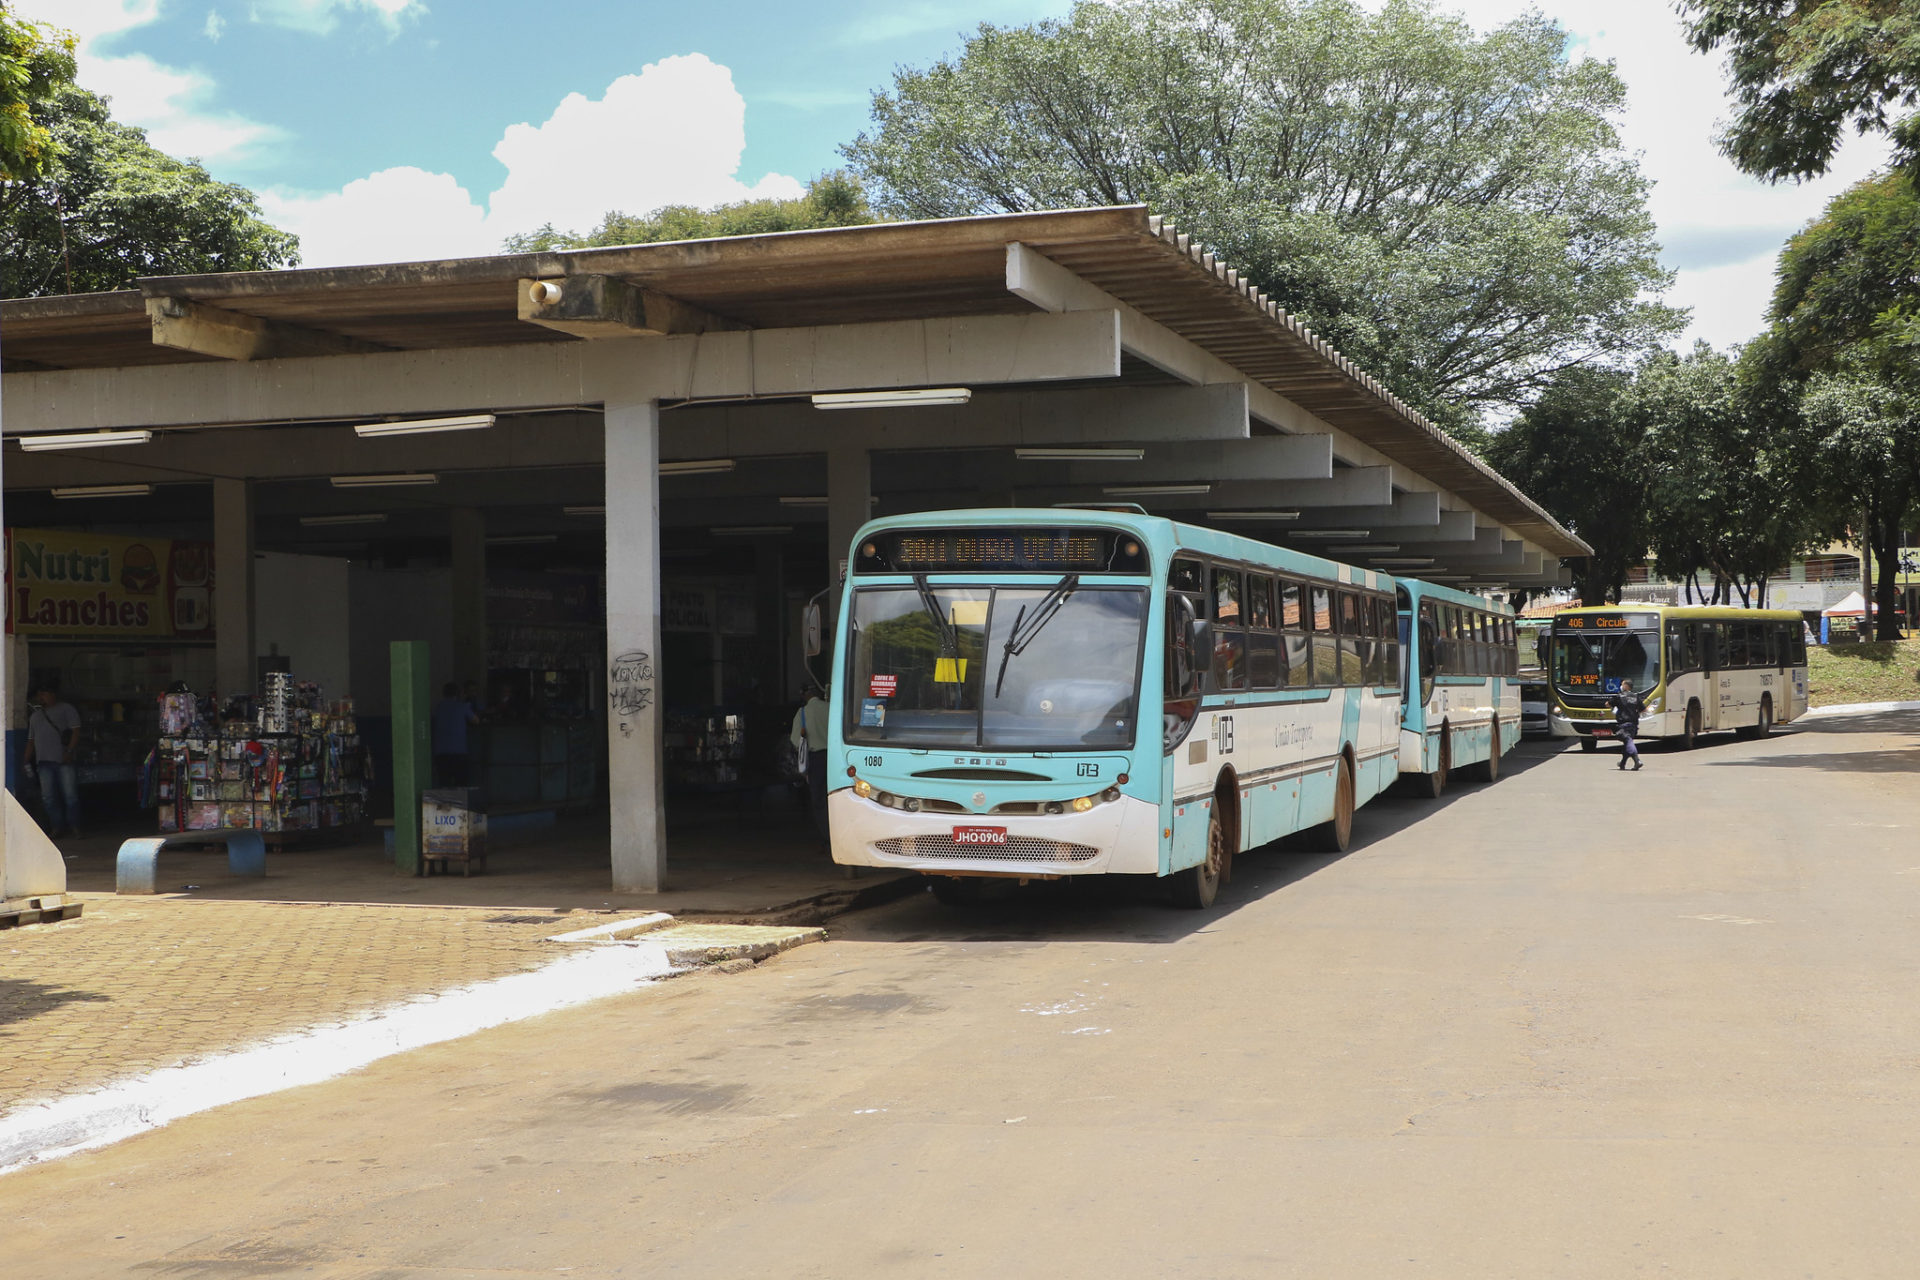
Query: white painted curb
{"type": "Point", "coordinates": [1861, 708]}
{"type": "Point", "coordinates": [49, 1130]}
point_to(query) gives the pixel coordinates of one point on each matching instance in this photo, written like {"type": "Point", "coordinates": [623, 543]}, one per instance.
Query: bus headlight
{"type": "Point", "coordinates": [1083, 804]}
{"type": "Point", "coordinates": [862, 788]}
{"type": "Point", "coordinates": [1656, 704]}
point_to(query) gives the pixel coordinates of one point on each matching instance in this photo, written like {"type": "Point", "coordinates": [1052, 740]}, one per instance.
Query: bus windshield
{"type": "Point", "coordinates": [1046, 666]}
{"type": "Point", "coordinates": [1598, 663]}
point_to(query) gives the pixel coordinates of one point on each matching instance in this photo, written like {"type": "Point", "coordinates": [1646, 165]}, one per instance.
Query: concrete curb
{"type": "Point", "coordinates": [1860, 708]}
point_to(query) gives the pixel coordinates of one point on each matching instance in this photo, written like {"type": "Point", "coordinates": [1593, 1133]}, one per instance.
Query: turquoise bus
{"type": "Point", "coordinates": [998, 671]}
{"type": "Point", "coordinates": [1463, 657]}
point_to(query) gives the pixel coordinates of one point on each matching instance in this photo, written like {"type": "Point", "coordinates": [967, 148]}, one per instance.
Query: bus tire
{"type": "Point", "coordinates": [1690, 736]}
{"type": "Point", "coordinates": [1490, 771]}
{"type": "Point", "coordinates": [1334, 835]}
{"type": "Point", "coordinates": [1196, 887]}
{"type": "Point", "coordinates": [1589, 743]}
{"type": "Point", "coordinates": [1765, 727]}
{"type": "Point", "coordinates": [1435, 783]}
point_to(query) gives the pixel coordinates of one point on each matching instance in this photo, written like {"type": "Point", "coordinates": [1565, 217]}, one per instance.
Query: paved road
{"type": "Point", "coordinates": [1580, 1024]}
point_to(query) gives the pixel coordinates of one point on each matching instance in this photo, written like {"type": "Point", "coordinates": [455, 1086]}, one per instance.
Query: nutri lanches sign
{"type": "Point", "coordinates": [83, 586]}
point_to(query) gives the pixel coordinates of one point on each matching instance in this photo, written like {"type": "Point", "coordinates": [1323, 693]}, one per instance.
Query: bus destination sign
{"type": "Point", "coordinates": [1607, 622]}
{"type": "Point", "coordinates": [1006, 550]}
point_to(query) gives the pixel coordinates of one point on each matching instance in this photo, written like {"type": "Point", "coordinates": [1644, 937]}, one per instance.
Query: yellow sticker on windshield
{"type": "Point", "coordinates": [968, 613]}
{"type": "Point", "coordinates": [950, 670]}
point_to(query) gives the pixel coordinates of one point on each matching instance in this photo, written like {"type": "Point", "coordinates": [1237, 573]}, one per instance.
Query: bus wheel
{"type": "Point", "coordinates": [1765, 726]}
{"type": "Point", "coordinates": [1196, 887]}
{"type": "Point", "coordinates": [1589, 743]}
{"type": "Point", "coordinates": [1691, 736]}
{"type": "Point", "coordinates": [1437, 780]}
{"type": "Point", "coordinates": [1491, 770]}
{"type": "Point", "coordinates": [1335, 835]}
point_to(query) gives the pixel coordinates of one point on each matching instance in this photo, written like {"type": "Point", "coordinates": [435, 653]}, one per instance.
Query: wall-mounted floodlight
{"type": "Point", "coordinates": [327, 522]}
{"type": "Point", "coordinates": [1328, 533]}
{"type": "Point", "coordinates": [583, 511]}
{"type": "Point", "coordinates": [1251, 516]}
{"type": "Point", "coordinates": [423, 426]}
{"type": "Point", "coordinates": [1152, 490]}
{"type": "Point", "coordinates": [382, 480]}
{"type": "Point", "coordinates": [83, 440]}
{"type": "Point", "coordinates": [891, 399]}
{"type": "Point", "coordinates": [1069, 454]}
{"type": "Point", "coordinates": [104, 491]}
{"type": "Point", "coordinates": [696, 467]}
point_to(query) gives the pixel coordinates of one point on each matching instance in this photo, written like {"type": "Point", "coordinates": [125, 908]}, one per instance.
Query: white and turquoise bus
{"type": "Point", "coordinates": [999, 671]}
{"type": "Point", "coordinates": [1465, 711]}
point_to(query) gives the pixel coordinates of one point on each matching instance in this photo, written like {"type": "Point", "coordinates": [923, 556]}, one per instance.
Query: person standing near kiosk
{"type": "Point", "coordinates": [53, 740]}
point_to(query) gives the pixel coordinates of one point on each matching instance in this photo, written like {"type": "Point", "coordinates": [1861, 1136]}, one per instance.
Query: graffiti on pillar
{"type": "Point", "coordinates": [631, 688]}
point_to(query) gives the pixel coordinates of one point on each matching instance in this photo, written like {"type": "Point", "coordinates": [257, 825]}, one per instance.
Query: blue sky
{"type": "Point", "coordinates": [384, 130]}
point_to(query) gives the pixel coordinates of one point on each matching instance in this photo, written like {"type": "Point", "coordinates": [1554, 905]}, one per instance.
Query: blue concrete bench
{"type": "Point", "coordinates": [139, 858]}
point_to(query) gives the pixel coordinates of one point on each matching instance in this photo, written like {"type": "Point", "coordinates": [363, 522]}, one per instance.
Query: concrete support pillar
{"type": "Point", "coordinates": [469, 534]}
{"type": "Point", "coordinates": [849, 499]}
{"type": "Point", "coordinates": [233, 588]}
{"type": "Point", "coordinates": [637, 811]}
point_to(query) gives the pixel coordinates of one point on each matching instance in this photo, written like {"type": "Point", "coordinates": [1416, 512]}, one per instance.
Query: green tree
{"type": "Point", "coordinates": [1804, 71]}
{"type": "Point", "coordinates": [34, 61]}
{"type": "Point", "coordinates": [111, 208]}
{"type": "Point", "coordinates": [1455, 212]}
{"type": "Point", "coordinates": [832, 200]}
{"type": "Point", "coordinates": [1580, 451]}
{"type": "Point", "coordinates": [1718, 461]}
{"type": "Point", "coordinates": [1843, 344]}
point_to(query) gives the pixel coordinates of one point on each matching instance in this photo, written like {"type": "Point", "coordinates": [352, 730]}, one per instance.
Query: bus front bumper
{"type": "Point", "coordinates": [1120, 836]}
{"type": "Point", "coordinates": [1653, 725]}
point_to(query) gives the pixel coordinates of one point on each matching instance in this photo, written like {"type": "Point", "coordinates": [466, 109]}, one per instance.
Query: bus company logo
{"type": "Point", "coordinates": [980, 835]}
{"type": "Point", "coordinates": [1000, 763]}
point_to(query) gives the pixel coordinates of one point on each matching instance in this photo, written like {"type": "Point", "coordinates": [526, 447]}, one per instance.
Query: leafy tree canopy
{"type": "Point", "coordinates": [1454, 212]}
{"type": "Point", "coordinates": [832, 200]}
{"type": "Point", "coordinates": [1804, 71]}
{"type": "Point", "coordinates": [34, 60]}
{"type": "Point", "coordinates": [110, 208]}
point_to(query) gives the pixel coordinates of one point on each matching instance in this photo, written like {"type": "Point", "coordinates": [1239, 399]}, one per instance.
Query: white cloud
{"type": "Point", "coordinates": [319, 17]}
{"type": "Point", "coordinates": [216, 25]}
{"type": "Point", "coordinates": [673, 134]}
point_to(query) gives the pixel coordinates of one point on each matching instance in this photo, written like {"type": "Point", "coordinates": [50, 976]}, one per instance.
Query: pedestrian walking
{"type": "Point", "coordinates": [53, 742]}
{"type": "Point", "coordinates": [1626, 722]}
{"type": "Point", "coordinates": [453, 715]}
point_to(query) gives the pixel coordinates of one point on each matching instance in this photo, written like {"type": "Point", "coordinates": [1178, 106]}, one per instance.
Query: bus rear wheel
{"type": "Point", "coordinates": [1435, 783]}
{"type": "Point", "coordinates": [1491, 769]}
{"type": "Point", "coordinates": [1690, 737]}
{"type": "Point", "coordinates": [1334, 835]}
{"type": "Point", "coordinates": [1764, 726]}
{"type": "Point", "coordinates": [1196, 887]}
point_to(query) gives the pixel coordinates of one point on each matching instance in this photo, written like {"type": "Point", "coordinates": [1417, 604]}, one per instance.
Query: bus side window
{"type": "Point", "coordinates": [1354, 646]}
{"type": "Point", "coordinates": [1676, 648]}
{"type": "Point", "coordinates": [1188, 576]}
{"type": "Point", "coordinates": [1326, 646]}
{"type": "Point", "coordinates": [1263, 646]}
{"type": "Point", "coordinates": [1184, 630]}
{"type": "Point", "coordinates": [1429, 642]}
{"type": "Point", "coordinates": [1298, 649]}
{"type": "Point", "coordinates": [1712, 645]}
{"type": "Point", "coordinates": [1799, 643]}
{"type": "Point", "coordinates": [1229, 634]}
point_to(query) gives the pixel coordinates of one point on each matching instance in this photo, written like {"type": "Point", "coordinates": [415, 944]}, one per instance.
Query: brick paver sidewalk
{"type": "Point", "coordinates": [140, 983]}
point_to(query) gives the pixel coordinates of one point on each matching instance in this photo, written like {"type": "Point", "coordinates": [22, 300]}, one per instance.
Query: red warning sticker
{"type": "Point", "coordinates": [883, 686]}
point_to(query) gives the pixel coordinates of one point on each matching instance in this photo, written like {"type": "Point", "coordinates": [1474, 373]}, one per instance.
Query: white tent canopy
{"type": "Point", "coordinates": [1849, 606]}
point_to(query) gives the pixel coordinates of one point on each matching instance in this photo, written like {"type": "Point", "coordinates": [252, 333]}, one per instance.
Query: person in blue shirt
{"type": "Point", "coordinates": [453, 715]}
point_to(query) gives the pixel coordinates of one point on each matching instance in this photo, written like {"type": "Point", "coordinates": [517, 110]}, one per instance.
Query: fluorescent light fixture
{"type": "Point", "coordinates": [105, 491]}
{"type": "Point", "coordinates": [325, 522]}
{"type": "Point", "coordinates": [696, 467]}
{"type": "Point", "coordinates": [1328, 533]}
{"type": "Point", "coordinates": [583, 511]}
{"type": "Point", "coordinates": [522, 539]}
{"type": "Point", "coordinates": [748, 530]}
{"type": "Point", "coordinates": [382, 480]}
{"type": "Point", "coordinates": [83, 440]}
{"type": "Point", "coordinates": [805, 500]}
{"type": "Point", "coordinates": [1403, 562]}
{"type": "Point", "coordinates": [1253, 515]}
{"type": "Point", "coordinates": [1080, 455]}
{"type": "Point", "coordinates": [1366, 546]}
{"type": "Point", "coordinates": [1149, 490]}
{"type": "Point", "coordinates": [891, 399]}
{"type": "Point", "coordinates": [421, 426]}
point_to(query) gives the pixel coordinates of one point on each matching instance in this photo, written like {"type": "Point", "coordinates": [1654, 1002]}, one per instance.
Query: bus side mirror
{"type": "Point", "coordinates": [813, 629]}
{"type": "Point", "coordinates": [1202, 645]}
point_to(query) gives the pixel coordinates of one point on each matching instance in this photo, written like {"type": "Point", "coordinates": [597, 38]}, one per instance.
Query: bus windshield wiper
{"type": "Point", "coordinates": [949, 636]}
{"type": "Point", "coordinates": [1023, 631]}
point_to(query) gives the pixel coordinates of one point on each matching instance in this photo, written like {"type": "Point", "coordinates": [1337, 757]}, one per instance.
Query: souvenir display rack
{"type": "Point", "coordinates": [296, 768]}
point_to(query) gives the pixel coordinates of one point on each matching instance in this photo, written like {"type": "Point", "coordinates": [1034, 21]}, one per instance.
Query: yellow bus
{"type": "Point", "coordinates": [1701, 670]}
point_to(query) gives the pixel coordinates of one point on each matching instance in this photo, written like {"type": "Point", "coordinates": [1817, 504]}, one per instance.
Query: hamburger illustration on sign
{"type": "Point", "coordinates": [139, 570]}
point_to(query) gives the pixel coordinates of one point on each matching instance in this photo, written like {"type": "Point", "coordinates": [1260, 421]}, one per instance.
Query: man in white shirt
{"type": "Point", "coordinates": [53, 740]}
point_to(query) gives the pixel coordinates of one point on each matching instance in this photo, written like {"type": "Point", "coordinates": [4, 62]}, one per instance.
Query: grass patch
{"type": "Point", "coordinates": [1884, 671]}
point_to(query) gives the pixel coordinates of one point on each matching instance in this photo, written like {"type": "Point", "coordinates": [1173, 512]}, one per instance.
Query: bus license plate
{"type": "Point", "coordinates": [1603, 733]}
{"type": "Point", "coordinates": [979, 835]}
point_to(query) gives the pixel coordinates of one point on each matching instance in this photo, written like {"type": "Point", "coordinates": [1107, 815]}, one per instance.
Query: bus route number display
{"type": "Point", "coordinates": [1029, 550]}
{"type": "Point", "coordinates": [1607, 622]}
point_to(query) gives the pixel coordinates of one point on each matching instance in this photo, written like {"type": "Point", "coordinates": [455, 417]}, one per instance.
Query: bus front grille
{"type": "Point", "coordinates": [1016, 849]}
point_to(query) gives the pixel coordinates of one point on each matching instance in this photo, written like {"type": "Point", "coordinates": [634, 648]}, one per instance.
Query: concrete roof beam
{"type": "Point", "coordinates": [234, 335]}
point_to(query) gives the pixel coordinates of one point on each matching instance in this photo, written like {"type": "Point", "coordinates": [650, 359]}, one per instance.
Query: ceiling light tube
{"type": "Point", "coordinates": [696, 467]}
{"type": "Point", "coordinates": [104, 491]}
{"type": "Point", "coordinates": [805, 500]}
{"type": "Point", "coordinates": [422, 426]}
{"type": "Point", "coordinates": [83, 440]}
{"type": "Point", "coordinates": [1150, 490]}
{"type": "Point", "coordinates": [1328, 533]}
{"type": "Point", "coordinates": [382, 480]}
{"type": "Point", "coordinates": [891, 399]}
{"type": "Point", "coordinates": [1080, 455]}
{"type": "Point", "coordinates": [1253, 515]}
{"type": "Point", "coordinates": [323, 522]}
{"type": "Point", "coordinates": [583, 511]}
{"type": "Point", "coordinates": [1402, 562]}
{"type": "Point", "coordinates": [1355, 547]}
